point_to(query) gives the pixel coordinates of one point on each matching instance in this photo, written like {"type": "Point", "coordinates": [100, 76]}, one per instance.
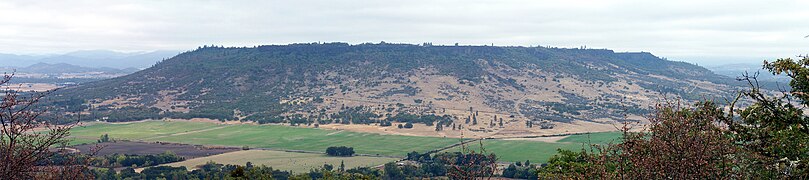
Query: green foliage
{"type": "Point", "coordinates": [764, 140]}
{"type": "Point", "coordinates": [680, 143]}
{"type": "Point", "coordinates": [429, 119]}
{"type": "Point", "coordinates": [773, 129]}
{"type": "Point", "coordinates": [104, 138]}
{"type": "Point", "coordinates": [340, 151]}
{"type": "Point", "coordinates": [207, 171]}
{"type": "Point", "coordinates": [132, 160]}
{"type": "Point", "coordinates": [520, 172]}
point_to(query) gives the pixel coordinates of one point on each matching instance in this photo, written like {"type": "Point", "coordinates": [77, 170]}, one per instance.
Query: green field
{"type": "Point", "coordinates": [138, 130]}
{"type": "Point", "coordinates": [308, 139]}
{"type": "Point", "coordinates": [538, 151]}
{"type": "Point", "coordinates": [264, 136]}
{"type": "Point", "coordinates": [288, 161]}
{"type": "Point", "coordinates": [594, 138]}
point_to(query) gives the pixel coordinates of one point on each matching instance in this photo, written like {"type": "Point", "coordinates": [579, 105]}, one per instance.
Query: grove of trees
{"type": "Point", "coordinates": [340, 151]}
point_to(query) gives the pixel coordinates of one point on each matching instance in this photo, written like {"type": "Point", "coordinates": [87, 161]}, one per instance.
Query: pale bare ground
{"type": "Point", "coordinates": [205, 120]}
{"type": "Point", "coordinates": [436, 101]}
{"type": "Point", "coordinates": [213, 121]}
{"type": "Point", "coordinates": [552, 139]}
{"type": "Point", "coordinates": [508, 131]}
{"type": "Point", "coordinates": [28, 87]}
{"type": "Point", "coordinates": [288, 161]}
{"type": "Point", "coordinates": [168, 101]}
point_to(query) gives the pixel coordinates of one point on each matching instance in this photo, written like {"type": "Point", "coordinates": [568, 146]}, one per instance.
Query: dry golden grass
{"type": "Point", "coordinates": [288, 161]}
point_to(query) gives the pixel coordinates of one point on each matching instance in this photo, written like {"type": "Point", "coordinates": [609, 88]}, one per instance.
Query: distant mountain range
{"type": "Point", "coordinates": [61, 68]}
{"type": "Point", "coordinates": [63, 73]}
{"type": "Point", "coordinates": [737, 70]}
{"type": "Point", "coordinates": [90, 58]}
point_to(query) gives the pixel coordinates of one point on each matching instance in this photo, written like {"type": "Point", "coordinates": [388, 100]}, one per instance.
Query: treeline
{"type": "Point", "coordinates": [436, 166]}
{"type": "Point", "coordinates": [428, 119]}
{"type": "Point", "coordinates": [113, 160]}
{"type": "Point", "coordinates": [131, 160]}
{"type": "Point", "coordinates": [208, 171]}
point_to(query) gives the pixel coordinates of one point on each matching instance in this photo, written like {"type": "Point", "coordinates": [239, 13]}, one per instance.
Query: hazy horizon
{"type": "Point", "coordinates": [704, 33]}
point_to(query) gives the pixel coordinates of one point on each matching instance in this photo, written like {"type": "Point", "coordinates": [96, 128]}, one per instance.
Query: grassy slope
{"type": "Point", "coordinates": [290, 161]}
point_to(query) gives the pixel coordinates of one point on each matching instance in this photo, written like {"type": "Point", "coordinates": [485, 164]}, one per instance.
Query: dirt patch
{"type": "Point", "coordinates": [540, 139]}
{"type": "Point", "coordinates": [142, 148]}
{"type": "Point", "coordinates": [30, 87]}
{"type": "Point", "coordinates": [482, 130]}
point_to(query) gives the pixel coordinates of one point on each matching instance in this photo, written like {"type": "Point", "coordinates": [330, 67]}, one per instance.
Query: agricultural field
{"type": "Point", "coordinates": [263, 136]}
{"type": "Point", "coordinates": [594, 138]}
{"type": "Point", "coordinates": [539, 151]}
{"type": "Point", "coordinates": [137, 130]}
{"type": "Point", "coordinates": [288, 161]}
{"type": "Point", "coordinates": [278, 137]}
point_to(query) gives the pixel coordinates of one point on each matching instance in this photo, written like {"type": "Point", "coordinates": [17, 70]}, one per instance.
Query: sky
{"type": "Point", "coordinates": [699, 31]}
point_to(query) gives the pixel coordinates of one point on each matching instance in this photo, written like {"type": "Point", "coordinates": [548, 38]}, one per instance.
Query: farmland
{"type": "Point", "coordinates": [137, 130]}
{"type": "Point", "coordinates": [538, 151]}
{"type": "Point", "coordinates": [141, 148]}
{"type": "Point", "coordinates": [278, 137]}
{"type": "Point", "coordinates": [288, 161]}
{"type": "Point", "coordinates": [264, 136]}
{"type": "Point", "coordinates": [594, 138]}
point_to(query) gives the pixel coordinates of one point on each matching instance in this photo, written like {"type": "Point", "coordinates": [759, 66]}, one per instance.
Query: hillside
{"type": "Point", "coordinates": [502, 90]}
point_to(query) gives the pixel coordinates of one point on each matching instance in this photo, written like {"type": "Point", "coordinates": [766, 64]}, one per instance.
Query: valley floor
{"type": "Point", "coordinates": [372, 148]}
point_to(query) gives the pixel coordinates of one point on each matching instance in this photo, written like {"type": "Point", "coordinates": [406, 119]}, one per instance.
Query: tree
{"type": "Point", "coordinates": [385, 123]}
{"type": "Point", "coordinates": [681, 143]}
{"type": "Point", "coordinates": [392, 172]}
{"type": "Point", "coordinates": [21, 150]}
{"type": "Point", "coordinates": [470, 164]}
{"type": "Point", "coordinates": [104, 138]}
{"type": "Point", "coordinates": [491, 124]}
{"type": "Point", "coordinates": [773, 129]}
{"type": "Point", "coordinates": [510, 171]}
{"type": "Point", "coordinates": [340, 151]}
{"type": "Point", "coordinates": [342, 166]}
{"type": "Point", "coordinates": [238, 172]}
{"type": "Point", "coordinates": [408, 125]}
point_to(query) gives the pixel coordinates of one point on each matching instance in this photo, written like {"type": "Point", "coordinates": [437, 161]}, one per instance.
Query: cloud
{"type": "Point", "coordinates": [691, 30]}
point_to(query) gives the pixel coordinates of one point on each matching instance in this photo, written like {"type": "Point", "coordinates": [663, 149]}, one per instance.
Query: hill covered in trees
{"type": "Point", "coordinates": [527, 87]}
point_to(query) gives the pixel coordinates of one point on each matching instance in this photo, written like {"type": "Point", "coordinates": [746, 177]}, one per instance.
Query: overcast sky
{"type": "Point", "coordinates": [701, 31]}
